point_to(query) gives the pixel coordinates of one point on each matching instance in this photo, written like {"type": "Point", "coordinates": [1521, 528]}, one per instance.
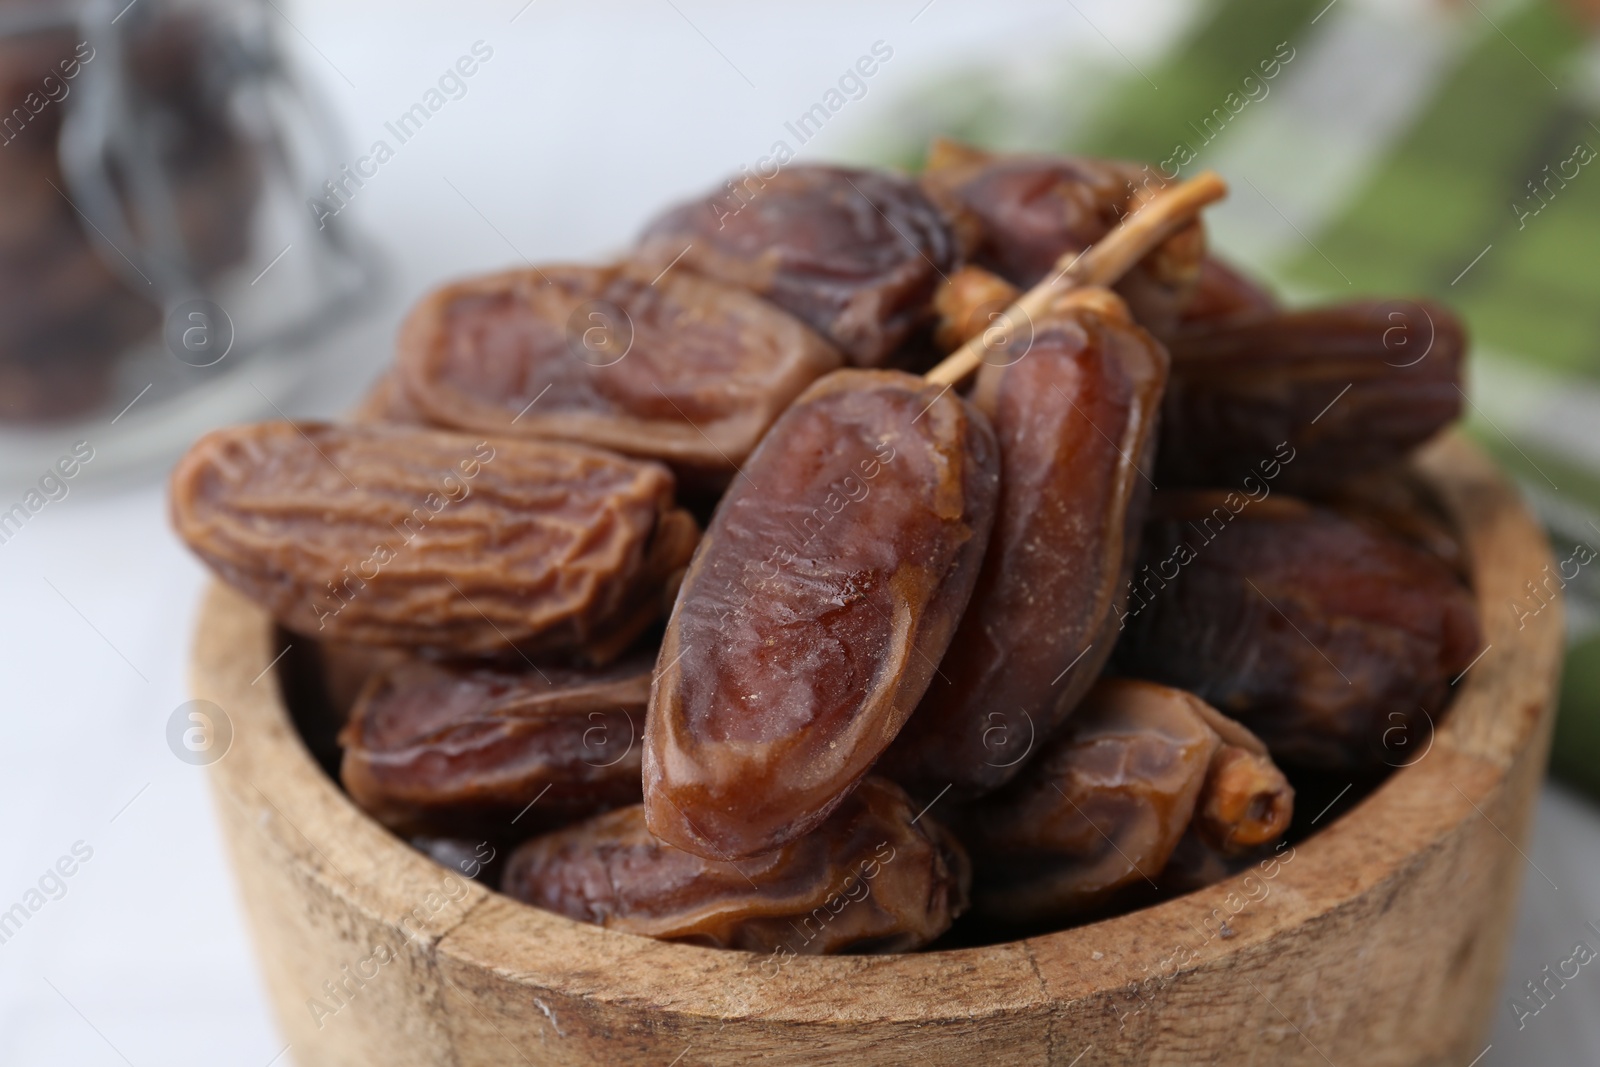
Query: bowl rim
{"type": "Point", "coordinates": [1500, 712]}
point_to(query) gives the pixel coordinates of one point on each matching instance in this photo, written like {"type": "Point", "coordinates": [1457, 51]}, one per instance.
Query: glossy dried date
{"type": "Point", "coordinates": [416, 538]}
{"type": "Point", "coordinates": [677, 367]}
{"type": "Point", "coordinates": [471, 751]}
{"type": "Point", "coordinates": [1018, 214]}
{"type": "Point", "coordinates": [1101, 809]}
{"type": "Point", "coordinates": [872, 878]}
{"type": "Point", "coordinates": [1075, 418]}
{"type": "Point", "coordinates": [816, 610]}
{"type": "Point", "coordinates": [854, 253]}
{"type": "Point", "coordinates": [1333, 641]}
{"type": "Point", "coordinates": [1350, 389]}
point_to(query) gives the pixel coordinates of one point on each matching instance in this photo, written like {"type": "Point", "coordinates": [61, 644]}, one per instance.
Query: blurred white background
{"type": "Point", "coordinates": [586, 120]}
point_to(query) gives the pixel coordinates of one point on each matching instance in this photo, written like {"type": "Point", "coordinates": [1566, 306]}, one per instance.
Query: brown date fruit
{"type": "Point", "coordinates": [816, 610]}
{"type": "Point", "coordinates": [1349, 388]}
{"type": "Point", "coordinates": [872, 878]}
{"type": "Point", "coordinates": [676, 368]}
{"type": "Point", "coordinates": [462, 751]}
{"type": "Point", "coordinates": [1101, 809]}
{"type": "Point", "coordinates": [1333, 641]}
{"type": "Point", "coordinates": [393, 536]}
{"type": "Point", "coordinates": [854, 253]}
{"type": "Point", "coordinates": [1223, 294]}
{"type": "Point", "coordinates": [1075, 418]}
{"type": "Point", "coordinates": [1016, 215]}
{"type": "Point", "coordinates": [1397, 501]}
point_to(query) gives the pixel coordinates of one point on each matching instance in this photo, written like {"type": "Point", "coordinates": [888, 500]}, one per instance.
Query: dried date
{"type": "Point", "coordinates": [1100, 811]}
{"type": "Point", "coordinates": [1333, 641]}
{"type": "Point", "coordinates": [1350, 389]}
{"type": "Point", "coordinates": [677, 368]}
{"type": "Point", "coordinates": [440, 750]}
{"type": "Point", "coordinates": [414, 538]}
{"type": "Point", "coordinates": [1399, 502]}
{"type": "Point", "coordinates": [1224, 295]}
{"type": "Point", "coordinates": [1075, 419]}
{"type": "Point", "coordinates": [816, 610]}
{"type": "Point", "coordinates": [1016, 215]}
{"type": "Point", "coordinates": [854, 253]}
{"type": "Point", "coordinates": [872, 878]}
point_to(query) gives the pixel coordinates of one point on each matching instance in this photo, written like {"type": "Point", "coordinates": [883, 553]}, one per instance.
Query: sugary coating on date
{"type": "Point", "coordinates": [668, 366]}
{"type": "Point", "coordinates": [409, 537]}
{"type": "Point", "coordinates": [854, 253]}
{"type": "Point", "coordinates": [494, 753]}
{"type": "Point", "coordinates": [1075, 418]}
{"type": "Point", "coordinates": [814, 614]}
{"type": "Point", "coordinates": [1333, 641]}
{"type": "Point", "coordinates": [872, 878]}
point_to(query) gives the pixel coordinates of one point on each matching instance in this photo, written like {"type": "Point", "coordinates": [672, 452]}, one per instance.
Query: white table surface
{"type": "Point", "coordinates": [586, 119]}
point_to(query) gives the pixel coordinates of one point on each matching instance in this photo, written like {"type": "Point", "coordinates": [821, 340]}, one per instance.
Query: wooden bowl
{"type": "Point", "coordinates": [1379, 940]}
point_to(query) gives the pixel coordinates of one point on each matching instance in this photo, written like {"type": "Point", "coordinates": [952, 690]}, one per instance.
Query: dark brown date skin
{"type": "Point", "coordinates": [676, 368]}
{"type": "Point", "coordinates": [1017, 215]}
{"type": "Point", "coordinates": [463, 751]}
{"type": "Point", "coordinates": [1225, 295]}
{"type": "Point", "coordinates": [1100, 810]}
{"type": "Point", "coordinates": [1075, 418]}
{"type": "Point", "coordinates": [873, 878]}
{"type": "Point", "coordinates": [1397, 501]}
{"type": "Point", "coordinates": [394, 536]}
{"type": "Point", "coordinates": [816, 610]}
{"type": "Point", "coordinates": [854, 253]}
{"type": "Point", "coordinates": [1350, 388]}
{"type": "Point", "coordinates": [1333, 641]}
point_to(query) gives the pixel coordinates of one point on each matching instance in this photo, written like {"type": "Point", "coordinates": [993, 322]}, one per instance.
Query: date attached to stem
{"type": "Point", "coordinates": [816, 610]}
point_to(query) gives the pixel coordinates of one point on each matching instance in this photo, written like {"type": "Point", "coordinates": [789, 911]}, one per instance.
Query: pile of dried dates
{"type": "Point", "coordinates": [704, 595]}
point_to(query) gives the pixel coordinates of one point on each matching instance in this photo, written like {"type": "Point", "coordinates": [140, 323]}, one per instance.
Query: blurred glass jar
{"type": "Point", "coordinates": [155, 159]}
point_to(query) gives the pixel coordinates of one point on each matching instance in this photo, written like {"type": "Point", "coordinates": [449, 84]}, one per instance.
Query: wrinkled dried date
{"type": "Point", "coordinates": [872, 878]}
{"type": "Point", "coordinates": [1075, 419]}
{"type": "Point", "coordinates": [1018, 214]}
{"type": "Point", "coordinates": [813, 616]}
{"type": "Point", "coordinates": [1350, 388]}
{"type": "Point", "coordinates": [1334, 642]}
{"type": "Point", "coordinates": [405, 537]}
{"type": "Point", "coordinates": [440, 750]}
{"type": "Point", "coordinates": [677, 368]}
{"type": "Point", "coordinates": [854, 253]}
{"type": "Point", "coordinates": [1102, 808]}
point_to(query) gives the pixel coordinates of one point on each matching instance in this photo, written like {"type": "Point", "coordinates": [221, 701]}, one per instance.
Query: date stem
{"type": "Point", "coordinates": [1101, 264]}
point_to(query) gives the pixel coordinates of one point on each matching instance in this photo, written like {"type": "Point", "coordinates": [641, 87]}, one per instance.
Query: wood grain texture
{"type": "Point", "coordinates": [1379, 941]}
